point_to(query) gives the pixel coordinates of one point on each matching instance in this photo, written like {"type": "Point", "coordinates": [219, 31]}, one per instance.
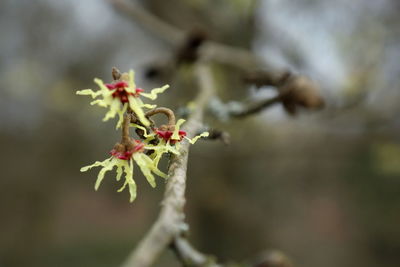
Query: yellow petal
{"type": "Point", "coordinates": [149, 106]}
{"type": "Point", "coordinates": [103, 87]}
{"type": "Point", "coordinates": [137, 108]}
{"type": "Point", "coordinates": [96, 164]}
{"type": "Point", "coordinates": [119, 173]}
{"type": "Point", "coordinates": [123, 187]}
{"type": "Point", "coordinates": [114, 108]}
{"type": "Point", "coordinates": [145, 134]}
{"type": "Point", "coordinates": [175, 135]}
{"type": "Point", "coordinates": [99, 102]}
{"type": "Point", "coordinates": [143, 165]}
{"type": "Point", "coordinates": [106, 167]}
{"type": "Point", "coordinates": [153, 93]}
{"type": "Point", "coordinates": [131, 82]}
{"type": "Point", "coordinates": [90, 92]}
{"type": "Point", "coordinates": [131, 183]}
{"type": "Point", "coordinates": [152, 166]}
{"type": "Point", "coordinates": [132, 191]}
{"type": "Point", "coordinates": [194, 139]}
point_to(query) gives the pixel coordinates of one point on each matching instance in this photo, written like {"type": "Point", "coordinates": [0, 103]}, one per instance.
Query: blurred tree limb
{"type": "Point", "coordinates": [238, 57]}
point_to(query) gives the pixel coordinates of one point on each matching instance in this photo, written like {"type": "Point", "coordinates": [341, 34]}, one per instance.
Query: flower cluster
{"type": "Point", "coordinates": [122, 97]}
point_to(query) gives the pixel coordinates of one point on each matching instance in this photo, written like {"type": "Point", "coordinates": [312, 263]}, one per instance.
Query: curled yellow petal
{"type": "Point", "coordinates": [108, 166]}
{"type": "Point", "coordinates": [90, 92]}
{"type": "Point", "coordinates": [153, 93]}
{"type": "Point", "coordinates": [103, 88]}
{"type": "Point", "coordinates": [129, 181]}
{"type": "Point", "coordinates": [100, 102]}
{"type": "Point", "coordinates": [149, 106]}
{"type": "Point", "coordinates": [136, 106]}
{"type": "Point", "coordinates": [96, 164]}
{"type": "Point", "coordinates": [194, 139]}
{"type": "Point", "coordinates": [114, 107]}
{"type": "Point", "coordinates": [145, 168]}
{"type": "Point", "coordinates": [132, 191]}
{"type": "Point", "coordinates": [131, 82]}
{"type": "Point", "coordinates": [119, 173]}
{"type": "Point", "coordinates": [175, 135]}
{"type": "Point", "coordinates": [152, 166]}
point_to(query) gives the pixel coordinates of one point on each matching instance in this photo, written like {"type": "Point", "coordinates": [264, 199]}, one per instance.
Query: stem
{"type": "Point", "coordinates": [125, 130]}
{"type": "Point", "coordinates": [189, 256]}
{"type": "Point", "coordinates": [166, 111]}
{"type": "Point", "coordinates": [170, 223]}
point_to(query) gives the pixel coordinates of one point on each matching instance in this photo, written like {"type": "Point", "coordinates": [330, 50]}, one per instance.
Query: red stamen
{"type": "Point", "coordinates": [110, 86]}
{"type": "Point", "coordinates": [127, 155]}
{"type": "Point", "coordinates": [166, 135]}
{"type": "Point", "coordinates": [120, 92]}
{"type": "Point", "coordinates": [121, 84]}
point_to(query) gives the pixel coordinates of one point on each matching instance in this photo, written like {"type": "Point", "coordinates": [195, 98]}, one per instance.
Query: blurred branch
{"type": "Point", "coordinates": [210, 50]}
{"type": "Point", "coordinates": [256, 107]}
{"type": "Point", "coordinates": [229, 55]}
{"type": "Point", "coordinates": [170, 222]}
{"type": "Point", "coordinates": [167, 32]}
{"type": "Point", "coordinates": [189, 256]}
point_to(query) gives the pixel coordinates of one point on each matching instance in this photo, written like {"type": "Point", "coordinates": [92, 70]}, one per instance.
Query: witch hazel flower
{"type": "Point", "coordinates": [124, 99]}
{"type": "Point", "coordinates": [168, 136]}
{"type": "Point", "coordinates": [123, 158]}
{"type": "Point", "coordinates": [122, 95]}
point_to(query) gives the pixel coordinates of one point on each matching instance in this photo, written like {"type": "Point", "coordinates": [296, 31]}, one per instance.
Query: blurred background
{"type": "Point", "coordinates": [322, 187]}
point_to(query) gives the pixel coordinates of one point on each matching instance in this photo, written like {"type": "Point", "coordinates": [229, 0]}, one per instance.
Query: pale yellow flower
{"type": "Point", "coordinates": [169, 141]}
{"type": "Point", "coordinates": [121, 95]}
{"type": "Point", "coordinates": [124, 162]}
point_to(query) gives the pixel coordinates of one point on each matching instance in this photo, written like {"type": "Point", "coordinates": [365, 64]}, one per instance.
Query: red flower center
{"type": "Point", "coordinates": [166, 135]}
{"type": "Point", "coordinates": [127, 155]}
{"type": "Point", "coordinates": [120, 92]}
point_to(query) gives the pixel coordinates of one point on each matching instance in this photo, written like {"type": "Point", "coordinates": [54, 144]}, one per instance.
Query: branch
{"type": "Point", "coordinates": [167, 32]}
{"type": "Point", "coordinates": [170, 223]}
{"type": "Point", "coordinates": [256, 107]}
{"type": "Point", "coordinates": [189, 256]}
{"type": "Point", "coordinates": [210, 50]}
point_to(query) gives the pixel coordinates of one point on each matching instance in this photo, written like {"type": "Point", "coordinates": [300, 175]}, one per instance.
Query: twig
{"type": "Point", "coordinates": [210, 50]}
{"type": "Point", "coordinates": [167, 32]}
{"type": "Point", "coordinates": [166, 111]}
{"type": "Point", "coordinates": [189, 256]}
{"type": "Point", "coordinates": [234, 56]}
{"type": "Point", "coordinates": [170, 222]}
{"type": "Point", "coordinates": [256, 107]}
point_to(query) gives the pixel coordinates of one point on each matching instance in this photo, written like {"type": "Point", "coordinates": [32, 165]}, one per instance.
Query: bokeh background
{"type": "Point", "coordinates": [322, 187]}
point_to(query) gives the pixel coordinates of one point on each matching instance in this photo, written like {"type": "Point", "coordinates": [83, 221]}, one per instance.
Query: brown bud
{"type": "Point", "coordinates": [116, 74]}
{"type": "Point", "coordinates": [301, 91]}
